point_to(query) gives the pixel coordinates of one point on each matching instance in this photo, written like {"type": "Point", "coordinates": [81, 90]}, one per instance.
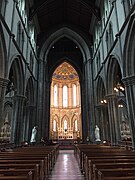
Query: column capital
{"type": "Point", "coordinates": [69, 85]}
{"type": "Point", "coordinates": [60, 85]}
{"type": "Point", "coordinates": [111, 96]}
{"type": "Point", "coordinates": [128, 81]}
{"type": "Point", "coordinates": [4, 82]}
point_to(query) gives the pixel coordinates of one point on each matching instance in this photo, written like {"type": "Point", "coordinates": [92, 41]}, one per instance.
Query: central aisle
{"type": "Point", "coordinates": [66, 167]}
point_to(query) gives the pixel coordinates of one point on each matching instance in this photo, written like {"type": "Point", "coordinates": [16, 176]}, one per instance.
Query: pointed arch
{"type": "Point", "coordinates": [55, 117]}
{"type": "Point", "coordinates": [72, 35]}
{"type": "Point", "coordinates": [3, 55]}
{"type": "Point", "coordinates": [100, 88]}
{"type": "Point", "coordinates": [18, 75]}
{"type": "Point", "coordinates": [129, 49]}
{"type": "Point", "coordinates": [75, 126]}
{"type": "Point", "coordinates": [65, 118]}
{"type": "Point", "coordinates": [29, 92]}
{"type": "Point", "coordinates": [112, 70]}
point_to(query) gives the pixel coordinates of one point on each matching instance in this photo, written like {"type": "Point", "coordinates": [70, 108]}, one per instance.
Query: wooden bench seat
{"type": "Point", "coordinates": [27, 161]}
{"type": "Point", "coordinates": [15, 178]}
{"type": "Point", "coordinates": [44, 156]}
{"type": "Point", "coordinates": [93, 158]}
{"type": "Point", "coordinates": [18, 172]}
{"type": "Point", "coordinates": [88, 165]}
{"type": "Point", "coordinates": [118, 172]}
{"type": "Point", "coordinates": [106, 166]}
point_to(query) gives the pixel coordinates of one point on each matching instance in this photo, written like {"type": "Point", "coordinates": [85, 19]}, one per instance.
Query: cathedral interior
{"type": "Point", "coordinates": [67, 67]}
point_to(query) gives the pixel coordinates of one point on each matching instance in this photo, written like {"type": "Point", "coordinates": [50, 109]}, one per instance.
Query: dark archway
{"type": "Point", "coordinates": [102, 118]}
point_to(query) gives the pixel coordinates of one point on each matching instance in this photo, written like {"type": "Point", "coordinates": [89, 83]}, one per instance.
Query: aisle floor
{"type": "Point", "coordinates": [66, 167]}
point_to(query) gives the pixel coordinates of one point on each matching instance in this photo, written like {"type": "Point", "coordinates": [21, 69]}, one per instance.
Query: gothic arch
{"type": "Point", "coordinates": [101, 91]}
{"type": "Point", "coordinates": [72, 35]}
{"type": "Point", "coordinates": [18, 75]}
{"type": "Point", "coordinates": [30, 91]}
{"type": "Point", "coordinates": [69, 61]}
{"type": "Point", "coordinates": [65, 117]}
{"type": "Point", "coordinates": [73, 121]}
{"type": "Point", "coordinates": [112, 69]}
{"type": "Point", "coordinates": [3, 55]}
{"type": "Point", "coordinates": [129, 49]}
{"type": "Point", "coordinates": [55, 117]}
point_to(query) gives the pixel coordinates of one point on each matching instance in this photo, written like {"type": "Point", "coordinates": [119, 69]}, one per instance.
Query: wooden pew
{"type": "Point", "coordinates": [15, 178]}
{"type": "Point", "coordinates": [106, 166]}
{"type": "Point", "coordinates": [89, 153]}
{"type": "Point", "coordinates": [107, 174]}
{"type": "Point", "coordinates": [29, 173]}
{"type": "Point", "coordinates": [89, 161]}
{"type": "Point", "coordinates": [36, 153]}
{"type": "Point", "coordinates": [27, 161]}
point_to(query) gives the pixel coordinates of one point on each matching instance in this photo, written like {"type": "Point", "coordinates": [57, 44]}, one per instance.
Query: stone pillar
{"type": "Point", "coordinates": [3, 85]}
{"type": "Point", "coordinates": [52, 94]}
{"type": "Point", "coordinates": [90, 98]}
{"type": "Point", "coordinates": [129, 83]}
{"type": "Point", "coordinates": [70, 92]}
{"type": "Point", "coordinates": [87, 89]}
{"type": "Point", "coordinates": [77, 94]}
{"type": "Point", "coordinates": [60, 96]}
{"type": "Point", "coordinates": [112, 102]}
{"type": "Point", "coordinates": [45, 121]}
{"type": "Point", "coordinates": [18, 124]}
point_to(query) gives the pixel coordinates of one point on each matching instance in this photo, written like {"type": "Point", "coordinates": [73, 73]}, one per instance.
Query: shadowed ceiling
{"type": "Point", "coordinates": [55, 14]}
{"type": "Point", "coordinates": [52, 14]}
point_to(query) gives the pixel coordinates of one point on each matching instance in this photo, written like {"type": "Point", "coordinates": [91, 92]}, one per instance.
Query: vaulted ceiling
{"type": "Point", "coordinates": [52, 14]}
{"type": "Point", "coordinates": [55, 14]}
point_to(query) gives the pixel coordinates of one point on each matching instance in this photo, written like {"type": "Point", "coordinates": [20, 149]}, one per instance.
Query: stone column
{"type": "Point", "coordinates": [129, 83]}
{"type": "Point", "coordinates": [60, 96]}
{"type": "Point", "coordinates": [52, 94]}
{"type": "Point", "coordinates": [77, 94]}
{"type": "Point", "coordinates": [45, 121]}
{"type": "Point", "coordinates": [90, 98]}
{"type": "Point", "coordinates": [18, 124]}
{"type": "Point", "coordinates": [3, 85]}
{"type": "Point", "coordinates": [70, 93]}
{"type": "Point", "coordinates": [112, 102]}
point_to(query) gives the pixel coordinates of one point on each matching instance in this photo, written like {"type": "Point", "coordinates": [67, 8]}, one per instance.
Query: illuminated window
{"type": "Point", "coordinates": [54, 125]}
{"type": "Point", "coordinates": [74, 95]}
{"type": "Point", "coordinates": [65, 125]}
{"type": "Point", "coordinates": [76, 125]}
{"type": "Point", "coordinates": [55, 95]}
{"type": "Point", "coordinates": [65, 96]}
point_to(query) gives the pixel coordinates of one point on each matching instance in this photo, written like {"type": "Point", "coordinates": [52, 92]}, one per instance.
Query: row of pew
{"type": "Point", "coordinates": [28, 163]}
{"type": "Point", "coordinates": [100, 162]}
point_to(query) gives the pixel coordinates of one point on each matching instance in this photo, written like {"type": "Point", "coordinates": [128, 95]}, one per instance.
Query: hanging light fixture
{"type": "Point", "coordinates": [119, 87]}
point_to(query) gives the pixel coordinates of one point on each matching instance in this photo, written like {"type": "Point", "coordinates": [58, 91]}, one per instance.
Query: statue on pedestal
{"type": "Point", "coordinates": [33, 135]}
{"type": "Point", "coordinates": [97, 134]}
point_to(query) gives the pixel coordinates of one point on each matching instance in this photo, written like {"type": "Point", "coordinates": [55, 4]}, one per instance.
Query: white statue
{"type": "Point", "coordinates": [97, 134]}
{"type": "Point", "coordinates": [33, 135]}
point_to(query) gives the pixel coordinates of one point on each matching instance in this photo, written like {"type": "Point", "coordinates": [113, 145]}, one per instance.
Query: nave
{"type": "Point", "coordinates": [66, 167]}
{"type": "Point", "coordinates": [49, 162]}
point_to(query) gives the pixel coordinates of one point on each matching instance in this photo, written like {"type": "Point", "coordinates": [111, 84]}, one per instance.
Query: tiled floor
{"type": "Point", "coordinates": [66, 167]}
